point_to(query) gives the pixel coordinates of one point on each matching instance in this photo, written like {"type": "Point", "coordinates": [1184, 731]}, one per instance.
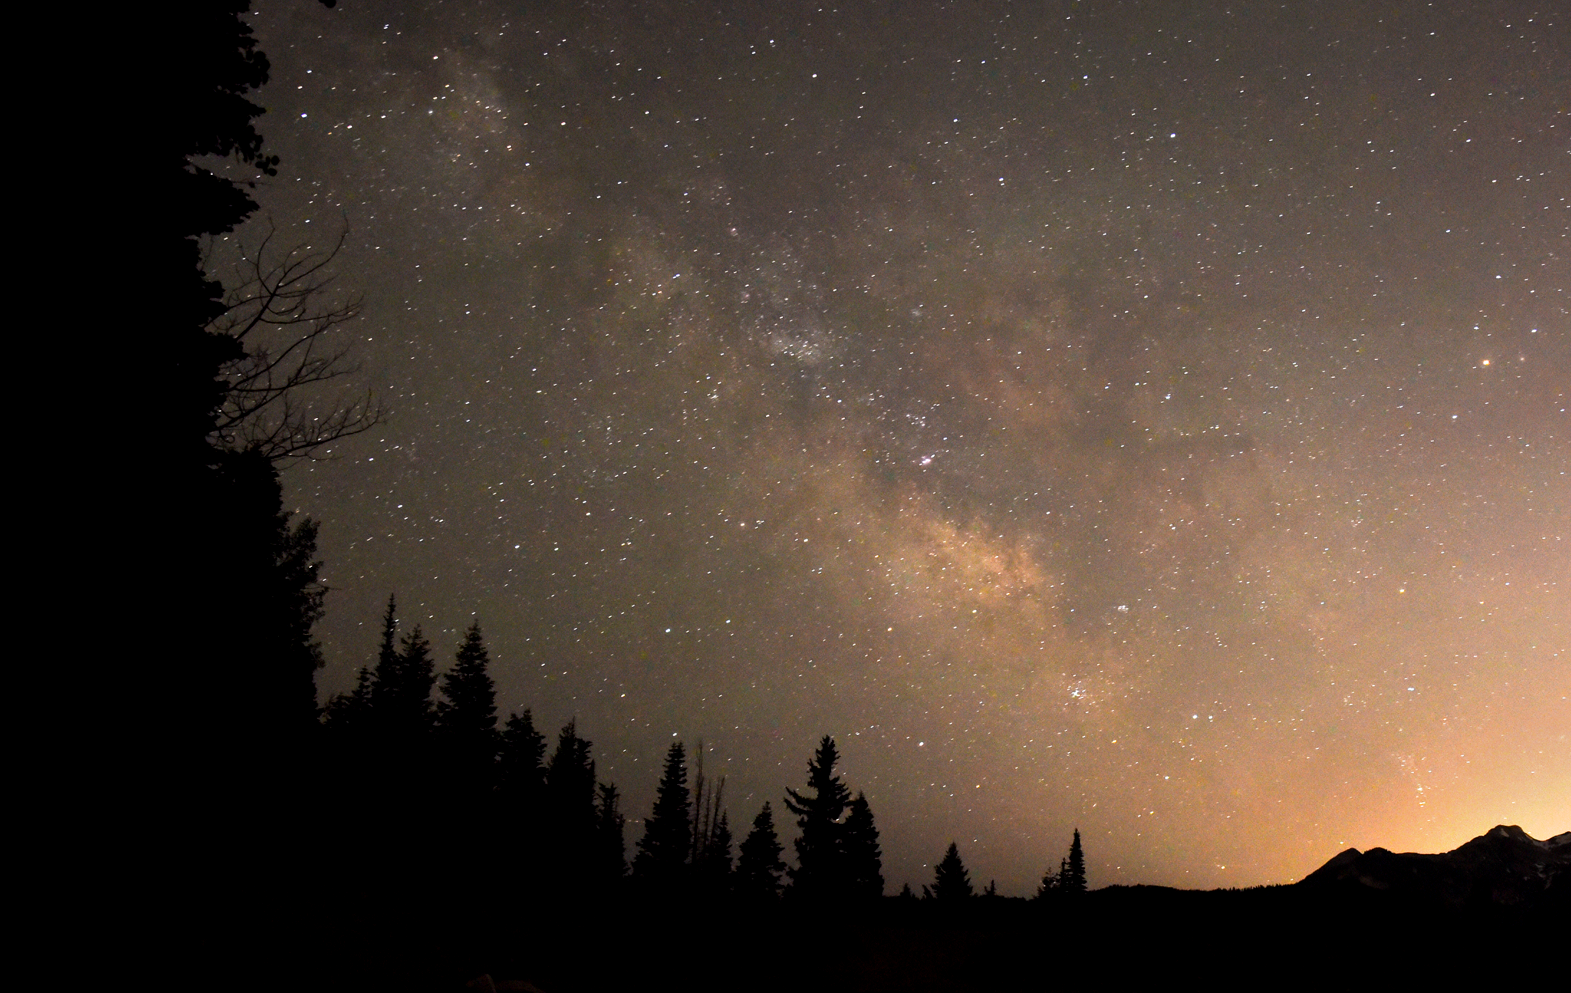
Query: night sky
{"type": "Point", "coordinates": [1145, 417]}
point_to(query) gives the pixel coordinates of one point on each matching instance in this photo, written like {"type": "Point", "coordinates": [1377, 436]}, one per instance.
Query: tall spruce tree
{"type": "Point", "coordinates": [663, 851]}
{"type": "Point", "coordinates": [466, 714]}
{"type": "Point", "coordinates": [570, 803]}
{"type": "Point", "coordinates": [401, 692]}
{"type": "Point", "coordinates": [758, 864]}
{"type": "Point", "coordinates": [521, 768]}
{"type": "Point", "coordinates": [820, 852]}
{"type": "Point", "coordinates": [466, 722]}
{"type": "Point", "coordinates": [520, 799]}
{"type": "Point", "coordinates": [1073, 881]}
{"type": "Point", "coordinates": [951, 882]}
{"type": "Point", "coordinates": [864, 864]}
{"type": "Point", "coordinates": [610, 836]}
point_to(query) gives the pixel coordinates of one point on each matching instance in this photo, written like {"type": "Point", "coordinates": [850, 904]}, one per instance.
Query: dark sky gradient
{"type": "Point", "coordinates": [1150, 417]}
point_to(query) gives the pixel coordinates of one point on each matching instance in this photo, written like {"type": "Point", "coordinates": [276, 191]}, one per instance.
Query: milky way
{"type": "Point", "coordinates": [1142, 417]}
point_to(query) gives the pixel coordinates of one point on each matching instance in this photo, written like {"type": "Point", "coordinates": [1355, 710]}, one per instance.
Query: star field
{"type": "Point", "coordinates": [1145, 417]}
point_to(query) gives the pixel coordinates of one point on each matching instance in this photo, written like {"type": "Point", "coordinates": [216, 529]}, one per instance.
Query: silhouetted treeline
{"type": "Point", "coordinates": [413, 755]}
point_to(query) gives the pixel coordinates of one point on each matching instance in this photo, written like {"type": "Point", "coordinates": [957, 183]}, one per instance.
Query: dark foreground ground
{"type": "Point", "coordinates": [1280, 936]}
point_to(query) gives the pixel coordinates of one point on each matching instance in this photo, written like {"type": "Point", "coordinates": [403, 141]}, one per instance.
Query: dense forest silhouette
{"type": "Point", "coordinates": [405, 834]}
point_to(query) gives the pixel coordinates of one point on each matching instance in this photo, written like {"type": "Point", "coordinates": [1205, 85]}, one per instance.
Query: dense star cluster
{"type": "Point", "coordinates": [1149, 418]}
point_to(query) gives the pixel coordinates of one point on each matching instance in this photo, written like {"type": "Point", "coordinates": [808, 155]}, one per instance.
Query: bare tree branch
{"type": "Point", "coordinates": [286, 315]}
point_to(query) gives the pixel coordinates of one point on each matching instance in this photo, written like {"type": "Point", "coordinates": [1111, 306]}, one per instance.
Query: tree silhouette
{"type": "Point", "coordinates": [950, 880]}
{"type": "Point", "coordinates": [1073, 880]}
{"type": "Point", "coordinates": [664, 849]}
{"type": "Point", "coordinates": [610, 863]}
{"type": "Point", "coordinates": [863, 860]}
{"type": "Point", "coordinates": [820, 854]}
{"type": "Point", "coordinates": [520, 799]}
{"type": "Point", "coordinates": [520, 767]}
{"type": "Point", "coordinates": [466, 723]}
{"type": "Point", "coordinates": [1051, 881]}
{"type": "Point", "coordinates": [466, 714]}
{"type": "Point", "coordinates": [350, 711]}
{"type": "Point", "coordinates": [710, 856]}
{"type": "Point", "coordinates": [712, 871]}
{"type": "Point", "coordinates": [758, 865]}
{"type": "Point", "coordinates": [272, 593]}
{"type": "Point", "coordinates": [570, 802]}
{"type": "Point", "coordinates": [283, 317]}
{"type": "Point", "coordinates": [401, 689]}
{"type": "Point", "coordinates": [1070, 878]}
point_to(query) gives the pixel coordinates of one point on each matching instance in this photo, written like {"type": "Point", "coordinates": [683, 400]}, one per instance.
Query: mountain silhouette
{"type": "Point", "coordinates": [1505, 867]}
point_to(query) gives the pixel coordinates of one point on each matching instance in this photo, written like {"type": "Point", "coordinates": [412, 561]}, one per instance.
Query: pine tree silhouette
{"type": "Point", "coordinates": [520, 768]}
{"type": "Point", "coordinates": [664, 849]}
{"type": "Point", "coordinates": [820, 854]}
{"type": "Point", "coordinates": [1050, 881]}
{"type": "Point", "coordinates": [610, 836]}
{"type": "Point", "coordinates": [348, 712]}
{"type": "Point", "coordinates": [713, 870]}
{"type": "Point", "coordinates": [863, 860]}
{"type": "Point", "coordinates": [758, 865]}
{"type": "Point", "coordinates": [401, 692]}
{"type": "Point", "coordinates": [467, 740]}
{"type": "Point", "coordinates": [1074, 876]}
{"type": "Point", "coordinates": [570, 803]}
{"type": "Point", "coordinates": [466, 714]}
{"type": "Point", "coordinates": [520, 822]}
{"type": "Point", "coordinates": [951, 882]}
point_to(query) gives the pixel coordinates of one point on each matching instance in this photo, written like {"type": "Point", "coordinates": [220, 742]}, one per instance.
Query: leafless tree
{"type": "Point", "coordinates": [287, 316]}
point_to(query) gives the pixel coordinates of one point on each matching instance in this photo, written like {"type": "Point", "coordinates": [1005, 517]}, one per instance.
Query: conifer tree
{"type": "Point", "coordinates": [466, 713]}
{"type": "Point", "coordinates": [348, 712]}
{"type": "Point", "coordinates": [520, 797]}
{"type": "Point", "coordinates": [758, 865]}
{"type": "Point", "coordinates": [713, 869]}
{"type": "Point", "coordinates": [863, 860]}
{"type": "Point", "coordinates": [610, 835]}
{"type": "Point", "coordinates": [664, 849]}
{"type": "Point", "coordinates": [820, 854]}
{"type": "Point", "coordinates": [1074, 876]}
{"type": "Point", "coordinates": [401, 698]}
{"type": "Point", "coordinates": [950, 880]}
{"type": "Point", "coordinates": [520, 766]}
{"type": "Point", "coordinates": [401, 684]}
{"type": "Point", "coordinates": [387, 653]}
{"type": "Point", "coordinates": [1050, 881]}
{"type": "Point", "coordinates": [570, 802]}
{"type": "Point", "coordinates": [466, 721]}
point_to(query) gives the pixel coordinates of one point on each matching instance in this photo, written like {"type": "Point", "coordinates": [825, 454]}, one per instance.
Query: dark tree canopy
{"type": "Point", "coordinates": [521, 767]}
{"type": "Point", "coordinates": [758, 865]}
{"type": "Point", "coordinates": [521, 817]}
{"type": "Point", "coordinates": [401, 689]}
{"type": "Point", "coordinates": [466, 723]}
{"type": "Point", "coordinates": [570, 784]}
{"type": "Point", "coordinates": [820, 852]}
{"type": "Point", "coordinates": [712, 871]}
{"type": "Point", "coordinates": [1074, 877]}
{"type": "Point", "coordinates": [467, 711]}
{"type": "Point", "coordinates": [950, 880]}
{"type": "Point", "coordinates": [863, 859]}
{"type": "Point", "coordinates": [610, 860]}
{"type": "Point", "coordinates": [664, 849]}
